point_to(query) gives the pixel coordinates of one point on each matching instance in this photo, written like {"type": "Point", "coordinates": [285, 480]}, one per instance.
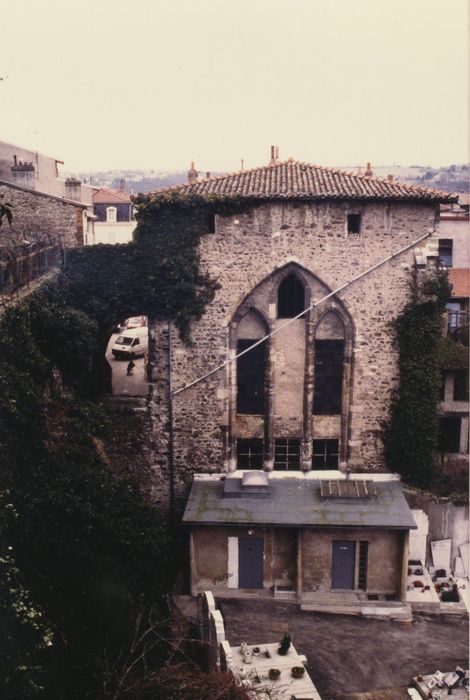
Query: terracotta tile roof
{"type": "Point", "coordinates": [460, 280]}
{"type": "Point", "coordinates": [107, 196]}
{"type": "Point", "coordinates": [292, 179]}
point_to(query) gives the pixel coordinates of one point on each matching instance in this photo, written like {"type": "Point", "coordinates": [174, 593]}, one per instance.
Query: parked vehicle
{"type": "Point", "coordinates": [135, 322]}
{"type": "Point", "coordinates": [131, 343]}
{"type": "Point", "coordinates": [132, 322]}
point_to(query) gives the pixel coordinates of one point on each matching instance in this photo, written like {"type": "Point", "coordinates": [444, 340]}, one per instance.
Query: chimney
{"type": "Point", "coordinates": [23, 173]}
{"type": "Point", "coordinates": [390, 178]}
{"type": "Point", "coordinates": [208, 174]}
{"type": "Point", "coordinates": [73, 189]}
{"type": "Point", "coordinates": [242, 164]}
{"type": "Point", "coordinates": [273, 160]}
{"type": "Point", "coordinates": [277, 154]}
{"type": "Point", "coordinates": [368, 172]}
{"type": "Point", "coordinates": [122, 185]}
{"type": "Point", "coordinates": [192, 174]}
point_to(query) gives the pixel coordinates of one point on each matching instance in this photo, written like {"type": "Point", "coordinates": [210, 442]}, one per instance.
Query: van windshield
{"type": "Point", "coordinates": [122, 340]}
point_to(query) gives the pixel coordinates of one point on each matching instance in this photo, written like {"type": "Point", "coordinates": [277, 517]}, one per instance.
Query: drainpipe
{"type": "Point", "coordinates": [299, 566]}
{"type": "Point", "coordinates": [171, 457]}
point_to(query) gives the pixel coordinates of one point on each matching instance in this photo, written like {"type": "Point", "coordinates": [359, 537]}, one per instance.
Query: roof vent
{"type": "Point", "coordinates": [253, 484]}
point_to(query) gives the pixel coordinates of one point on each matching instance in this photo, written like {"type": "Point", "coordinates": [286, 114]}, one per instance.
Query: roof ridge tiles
{"type": "Point", "coordinates": [293, 179]}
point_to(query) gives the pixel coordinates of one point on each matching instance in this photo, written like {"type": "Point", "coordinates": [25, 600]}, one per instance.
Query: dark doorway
{"type": "Point", "coordinates": [250, 562]}
{"type": "Point", "coordinates": [343, 564]}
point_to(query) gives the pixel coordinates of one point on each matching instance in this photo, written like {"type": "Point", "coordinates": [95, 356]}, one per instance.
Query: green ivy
{"type": "Point", "coordinates": [411, 435]}
{"type": "Point", "coordinates": [88, 551]}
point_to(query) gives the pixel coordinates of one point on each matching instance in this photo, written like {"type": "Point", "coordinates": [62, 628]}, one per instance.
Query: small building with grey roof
{"type": "Point", "coordinates": [299, 536]}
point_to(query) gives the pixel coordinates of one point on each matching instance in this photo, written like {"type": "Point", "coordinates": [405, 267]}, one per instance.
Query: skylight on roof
{"type": "Point", "coordinates": [255, 479]}
{"type": "Point", "coordinates": [347, 488]}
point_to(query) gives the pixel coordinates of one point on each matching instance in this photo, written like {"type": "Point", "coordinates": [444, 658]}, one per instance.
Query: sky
{"type": "Point", "coordinates": [109, 84]}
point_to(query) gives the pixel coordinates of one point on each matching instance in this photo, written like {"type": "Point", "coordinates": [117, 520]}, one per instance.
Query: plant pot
{"type": "Point", "coordinates": [297, 671]}
{"type": "Point", "coordinates": [274, 674]}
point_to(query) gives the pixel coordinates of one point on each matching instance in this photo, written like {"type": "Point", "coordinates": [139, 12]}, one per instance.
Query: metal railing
{"type": "Point", "coordinates": [24, 264]}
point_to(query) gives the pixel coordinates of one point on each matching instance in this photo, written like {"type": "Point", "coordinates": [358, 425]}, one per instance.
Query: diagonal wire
{"type": "Point", "coordinates": [302, 313]}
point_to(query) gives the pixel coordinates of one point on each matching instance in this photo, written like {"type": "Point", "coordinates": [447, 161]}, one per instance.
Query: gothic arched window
{"type": "Point", "coordinates": [329, 362]}
{"type": "Point", "coordinates": [251, 367]}
{"type": "Point", "coordinates": [290, 297]}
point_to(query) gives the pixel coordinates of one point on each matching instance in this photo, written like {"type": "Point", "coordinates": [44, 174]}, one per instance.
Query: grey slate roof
{"type": "Point", "coordinates": [295, 180]}
{"type": "Point", "coordinates": [296, 502]}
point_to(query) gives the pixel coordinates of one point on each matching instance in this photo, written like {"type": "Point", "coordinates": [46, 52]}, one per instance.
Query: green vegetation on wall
{"type": "Point", "coordinates": [88, 558]}
{"type": "Point", "coordinates": [411, 435]}
{"type": "Point", "coordinates": [81, 555]}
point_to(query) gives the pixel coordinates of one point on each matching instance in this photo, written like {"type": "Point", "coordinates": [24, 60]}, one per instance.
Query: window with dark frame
{"type": "Point", "coordinates": [211, 223]}
{"type": "Point", "coordinates": [287, 454]}
{"type": "Point", "coordinates": [461, 385]}
{"type": "Point", "coordinates": [325, 454]}
{"type": "Point", "coordinates": [445, 251]}
{"type": "Point", "coordinates": [251, 369]}
{"type": "Point", "coordinates": [449, 434]}
{"type": "Point", "coordinates": [329, 359]}
{"type": "Point", "coordinates": [354, 223]}
{"type": "Point", "coordinates": [290, 297]}
{"type": "Point", "coordinates": [249, 453]}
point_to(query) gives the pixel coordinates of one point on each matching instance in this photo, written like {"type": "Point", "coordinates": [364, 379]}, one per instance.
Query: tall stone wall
{"type": "Point", "coordinates": [246, 250]}
{"type": "Point", "coordinates": [41, 217]}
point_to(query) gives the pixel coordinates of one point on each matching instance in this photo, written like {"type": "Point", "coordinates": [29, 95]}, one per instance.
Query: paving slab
{"type": "Point", "coordinates": [347, 654]}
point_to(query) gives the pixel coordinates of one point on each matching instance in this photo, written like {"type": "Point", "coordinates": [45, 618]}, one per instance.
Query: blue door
{"type": "Point", "coordinates": [250, 562]}
{"type": "Point", "coordinates": [343, 564]}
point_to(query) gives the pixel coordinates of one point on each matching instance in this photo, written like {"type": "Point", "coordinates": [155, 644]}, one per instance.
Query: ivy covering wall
{"type": "Point", "coordinates": [411, 435]}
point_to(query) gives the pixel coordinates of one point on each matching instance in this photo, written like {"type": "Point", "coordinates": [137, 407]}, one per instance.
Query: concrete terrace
{"type": "Point", "coordinates": [348, 654]}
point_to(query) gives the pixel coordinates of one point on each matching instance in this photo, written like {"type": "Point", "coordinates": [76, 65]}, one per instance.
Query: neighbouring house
{"type": "Point", "coordinates": [27, 170]}
{"type": "Point", "coordinates": [114, 216]}
{"type": "Point", "coordinates": [31, 169]}
{"type": "Point", "coordinates": [312, 268]}
{"type": "Point", "coordinates": [454, 254]}
{"type": "Point", "coordinates": [297, 537]}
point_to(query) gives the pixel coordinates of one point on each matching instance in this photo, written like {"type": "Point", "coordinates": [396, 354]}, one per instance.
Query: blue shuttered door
{"type": "Point", "coordinates": [343, 564]}
{"type": "Point", "coordinates": [250, 562]}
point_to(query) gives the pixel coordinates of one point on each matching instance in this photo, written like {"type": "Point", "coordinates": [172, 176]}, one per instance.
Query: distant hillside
{"type": "Point", "coordinates": [135, 180]}
{"type": "Point", "coordinates": [452, 178]}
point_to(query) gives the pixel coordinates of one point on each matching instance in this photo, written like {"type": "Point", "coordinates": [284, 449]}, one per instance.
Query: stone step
{"type": "Point", "coordinates": [331, 608]}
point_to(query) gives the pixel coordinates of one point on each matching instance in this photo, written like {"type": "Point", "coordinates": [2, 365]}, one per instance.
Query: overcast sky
{"type": "Point", "coordinates": [158, 83]}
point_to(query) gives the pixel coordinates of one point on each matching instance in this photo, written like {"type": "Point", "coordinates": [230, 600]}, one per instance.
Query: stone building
{"type": "Point", "coordinates": [42, 217]}
{"type": "Point", "coordinates": [43, 227]}
{"type": "Point", "coordinates": [315, 390]}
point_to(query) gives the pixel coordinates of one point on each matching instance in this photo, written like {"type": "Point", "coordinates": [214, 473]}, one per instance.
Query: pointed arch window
{"type": "Point", "coordinates": [290, 297]}
{"type": "Point", "coordinates": [251, 367]}
{"type": "Point", "coordinates": [329, 366]}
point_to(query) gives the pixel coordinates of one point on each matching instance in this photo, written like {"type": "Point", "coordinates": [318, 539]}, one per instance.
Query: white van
{"type": "Point", "coordinates": [131, 343]}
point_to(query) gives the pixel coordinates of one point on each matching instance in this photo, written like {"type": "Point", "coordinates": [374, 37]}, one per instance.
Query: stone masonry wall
{"type": "Point", "coordinates": [40, 217]}
{"type": "Point", "coordinates": [245, 250]}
